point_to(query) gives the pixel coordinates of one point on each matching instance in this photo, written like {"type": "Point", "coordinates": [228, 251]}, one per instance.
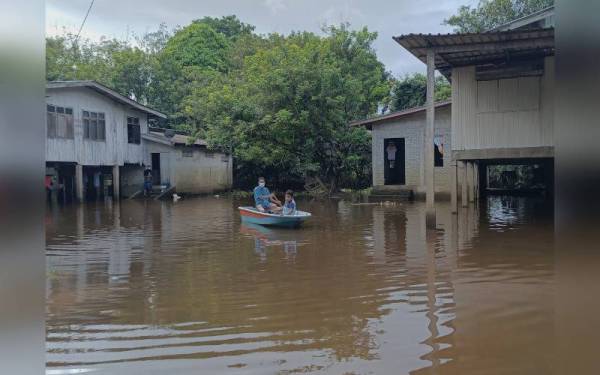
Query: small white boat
{"type": "Point", "coordinates": [252, 215]}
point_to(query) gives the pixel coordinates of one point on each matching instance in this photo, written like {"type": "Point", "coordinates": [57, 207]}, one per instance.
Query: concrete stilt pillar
{"type": "Point", "coordinates": [79, 182]}
{"type": "Point", "coordinates": [464, 195]}
{"type": "Point", "coordinates": [116, 182]}
{"type": "Point", "coordinates": [453, 187]}
{"type": "Point", "coordinates": [471, 181]}
{"type": "Point", "coordinates": [428, 147]}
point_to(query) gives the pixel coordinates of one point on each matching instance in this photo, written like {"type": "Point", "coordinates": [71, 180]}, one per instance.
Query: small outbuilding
{"type": "Point", "coordinates": [177, 160]}
{"type": "Point", "coordinates": [398, 150]}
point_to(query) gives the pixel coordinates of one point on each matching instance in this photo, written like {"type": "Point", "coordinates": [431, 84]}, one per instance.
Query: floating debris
{"type": "Point", "coordinates": [385, 203]}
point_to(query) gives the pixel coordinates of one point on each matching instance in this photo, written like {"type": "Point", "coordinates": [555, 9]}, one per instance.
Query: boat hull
{"type": "Point", "coordinates": [251, 215]}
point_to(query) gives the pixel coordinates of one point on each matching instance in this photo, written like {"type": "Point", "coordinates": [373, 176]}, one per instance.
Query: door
{"type": "Point", "coordinates": [165, 169]}
{"type": "Point", "coordinates": [155, 169]}
{"type": "Point", "coordinates": [394, 161]}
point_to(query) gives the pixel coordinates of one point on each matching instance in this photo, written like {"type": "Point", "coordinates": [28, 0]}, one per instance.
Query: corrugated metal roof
{"type": "Point", "coordinates": [452, 50]}
{"type": "Point", "coordinates": [369, 122]}
{"type": "Point", "coordinates": [105, 91]}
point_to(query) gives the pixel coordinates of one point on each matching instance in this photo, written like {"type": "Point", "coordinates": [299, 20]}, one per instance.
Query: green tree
{"type": "Point", "coordinates": [230, 26]}
{"type": "Point", "coordinates": [197, 46]}
{"type": "Point", "coordinates": [285, 113]}
{"type": "Point", "coordinates": [411, 91]}
{"type": "Point", "coordinates": [127, 69]}
{"type": "Point", "coordinates": [192, 53]}
{"type": "Point", "coordinates": [491, 13]}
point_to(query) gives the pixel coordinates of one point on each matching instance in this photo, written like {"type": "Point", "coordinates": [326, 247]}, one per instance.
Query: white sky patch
{"type": "Point", "coordinates": [58, 22]}
{"type": "Point", "coordinates": [342, 13]}
{"type": "Point", "coordinates": [275, 6]}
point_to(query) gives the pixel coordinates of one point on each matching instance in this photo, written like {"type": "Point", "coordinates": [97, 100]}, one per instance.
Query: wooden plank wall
{"type": "Point", "coordinates": [115, 150]}
{"type": "Point", "coordinates": [504, 113]}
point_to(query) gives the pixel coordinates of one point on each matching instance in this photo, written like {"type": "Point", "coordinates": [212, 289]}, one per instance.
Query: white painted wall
{"type": "Point", "coordinates": [203, 172]}
{"type": "Point", "coordinates": [504, 113]}
{"type": "Point", "coordinates": [114, 150]}
{"type": "Point", "coordinates": [412, 128]}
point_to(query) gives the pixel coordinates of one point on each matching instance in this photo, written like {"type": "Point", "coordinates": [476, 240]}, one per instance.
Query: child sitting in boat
{"type": "Point", "coordinates": [289, 207]}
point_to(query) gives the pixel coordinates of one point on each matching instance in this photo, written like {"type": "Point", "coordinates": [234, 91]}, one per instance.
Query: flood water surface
{"type": "Point", "coordinates": [164, 288]}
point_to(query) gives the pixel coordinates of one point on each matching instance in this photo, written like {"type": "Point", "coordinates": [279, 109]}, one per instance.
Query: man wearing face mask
{"type": "Point", "coordinates": [264, 199]}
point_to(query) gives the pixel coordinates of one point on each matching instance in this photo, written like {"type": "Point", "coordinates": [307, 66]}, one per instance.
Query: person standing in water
{"type": "Point", "coordinates": [264, 200]}
{"type": "Point", "coordinates": [147, 182]}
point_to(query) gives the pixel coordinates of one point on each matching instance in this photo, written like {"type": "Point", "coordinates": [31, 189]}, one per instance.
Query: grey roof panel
{"type": "Point", "coordinates": [477, 48]}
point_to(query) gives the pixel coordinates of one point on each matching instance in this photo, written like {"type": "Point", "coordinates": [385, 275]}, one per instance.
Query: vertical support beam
{"type": "Point", "coordinates": [116, 182]}
{"type": "Point", "coordinates": [429, 130]}
{"type": "Point", "coordinates": [476, 180]}
{"type": "Point", "coordinates": [464, 195]}
{"type": "Point", "coordinates": [79, 182]}
{"type": "Point", "coordinates": [453, 187]}
{"type": "Point", "coordinates": [471, 181]}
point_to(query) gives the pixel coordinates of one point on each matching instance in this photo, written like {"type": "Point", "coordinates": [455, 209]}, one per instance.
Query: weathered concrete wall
{"type": "Point", "coordinates": [202, 172]}
{"type": "Point", "coordinates": [411, 128]}
{"type": "Point", "coordinates": [115, 150]}
{"type": "Point", "coordinates": [503, 113]}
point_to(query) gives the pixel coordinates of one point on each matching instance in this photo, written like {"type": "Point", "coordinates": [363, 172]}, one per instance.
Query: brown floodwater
{"type": "Point", "coordinates": [147, 287]}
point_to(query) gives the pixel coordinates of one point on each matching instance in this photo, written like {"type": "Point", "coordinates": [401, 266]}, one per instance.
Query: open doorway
{"type": "Point", "coordinates": [156, 169]}
{"type": "Point", "coordinates": [518, 177]}
{"type": "Point", "coordinates": [97, 182]}
{"type": "Point", "coordinates": [394, 161]}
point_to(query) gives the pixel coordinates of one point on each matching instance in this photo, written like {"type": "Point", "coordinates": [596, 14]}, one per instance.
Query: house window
{"type": "Point", "coordinates": [438, 150]}
{"type": "Point", "coordinates": [187, 152]}
{"type": "Point", "coordinates": [59, 122]}
{"type": "Point", "coordinates": [133, 130]}
{"type": "Point", "coordinates": [94, 126]}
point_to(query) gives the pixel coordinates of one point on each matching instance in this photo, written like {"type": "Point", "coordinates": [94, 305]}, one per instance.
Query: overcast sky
{"type": "Point", "coordinates": [114, 18]}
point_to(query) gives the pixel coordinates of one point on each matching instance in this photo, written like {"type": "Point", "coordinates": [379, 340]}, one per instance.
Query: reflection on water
{"type": "Point", "coordinates": [157, 287]}
{"type": "Point", "coordinates": [267, 236]}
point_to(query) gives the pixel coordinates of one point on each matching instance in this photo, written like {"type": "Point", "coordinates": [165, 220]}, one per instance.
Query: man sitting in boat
{"type": "Point", "coordinates": [289, 207]}
{"type": "Point", "coordinates": [264, 199]}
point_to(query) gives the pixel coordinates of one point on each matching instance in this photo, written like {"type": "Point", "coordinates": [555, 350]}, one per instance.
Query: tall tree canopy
{"type": "Point", "coordinates": [230, 26]}
{"type": "Point", "coordinates": [286, 112]}
{"type": "Point", "coordinates": [491, 13]}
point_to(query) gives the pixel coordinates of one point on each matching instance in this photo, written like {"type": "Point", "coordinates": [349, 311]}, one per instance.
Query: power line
{"type": "Point", "coordinates": [84, 19]}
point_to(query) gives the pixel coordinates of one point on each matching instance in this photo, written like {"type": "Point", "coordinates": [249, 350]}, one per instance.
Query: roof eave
{"type": "Point", "coordinates": [453, 50]}
{"type": "Point", "coordinates": [106, 91]}
{"type": "Point", "coordinates": [155, 139]}
{"type": "Point", "coordinates": [395, 115]}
